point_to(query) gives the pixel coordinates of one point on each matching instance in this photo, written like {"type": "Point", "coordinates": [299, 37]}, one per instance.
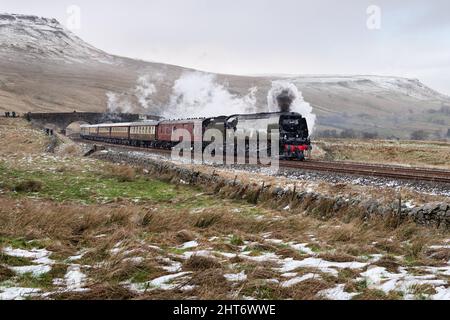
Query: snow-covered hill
{"type": "Point", "coordinates": [373, 84]}
{"type": "Point", "coordinates": [38, 37]}
{"type": "Point", "coordinates": [45, 67]}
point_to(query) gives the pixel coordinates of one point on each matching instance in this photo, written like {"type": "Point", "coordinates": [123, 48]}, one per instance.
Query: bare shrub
{"type": "Point", "coordinates": [348, 134]}
{"type": "Point", "coordinates": [419, 135]}
{"type": "Point", "coordinates": [29, 186]}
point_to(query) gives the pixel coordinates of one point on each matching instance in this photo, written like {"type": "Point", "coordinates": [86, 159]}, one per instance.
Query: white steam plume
{"type": "Point", "coordinates": [144, 91]}
{"type": "Point", "coordinates": [197, 94]}
{"type": "Point", "coordinates": [298, 103]}
{"type": "Point", "coordinates": [119, 103]}
{"type": "Point", "coordinates": [141, 96]}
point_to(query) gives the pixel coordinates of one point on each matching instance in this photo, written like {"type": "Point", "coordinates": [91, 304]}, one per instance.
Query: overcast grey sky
{"type": "Point", "coordinates": [268, 36]}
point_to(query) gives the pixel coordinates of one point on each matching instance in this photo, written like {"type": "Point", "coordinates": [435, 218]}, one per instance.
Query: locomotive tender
{"type": "Point", "coordinates": [294, 142]}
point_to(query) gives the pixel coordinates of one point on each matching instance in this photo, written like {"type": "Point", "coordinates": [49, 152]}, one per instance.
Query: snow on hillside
{"type": "Point", "coordinates": [372, 84]}
{"type": "Point", "coordinates": [45, 38]}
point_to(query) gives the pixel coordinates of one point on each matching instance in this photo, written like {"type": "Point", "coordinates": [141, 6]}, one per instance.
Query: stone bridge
{"type": "Point", "coordinates": [62, 120]}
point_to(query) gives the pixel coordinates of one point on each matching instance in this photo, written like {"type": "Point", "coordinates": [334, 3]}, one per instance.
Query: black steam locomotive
{"type": "Point", "coordinates": [294, 142]}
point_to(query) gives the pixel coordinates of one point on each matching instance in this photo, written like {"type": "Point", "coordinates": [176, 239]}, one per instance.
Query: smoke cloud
{"type": "Point", "coordinates": [284, 96]}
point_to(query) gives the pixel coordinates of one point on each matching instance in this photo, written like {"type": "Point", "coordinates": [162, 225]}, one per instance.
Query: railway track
{"type": "Point", "coordinates": [373, 170]}
{"type": "Point", "coordinates": [351, 168]}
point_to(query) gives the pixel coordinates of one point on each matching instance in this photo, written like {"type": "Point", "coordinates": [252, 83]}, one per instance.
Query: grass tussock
{"type": "Point", "coordinates": [371, 294]}
{"type": "Point", "coordinates": [122, 173]}
{"type": "Point", "coordinates": [69, 149]}
{"type": "Point", "coordinates": [206, 220]}
{"type": "Point", "coordinates": [185, 236]}
{"type": "Point", "coordinates": [307, 290]}
{"type": "Point", "coordinates": [196, 262]}
{"type": "Point", "coordinates": [28, 186]}
{"type": "Point", "coordinates": [390, 263]}
{"type": "Point", "coordinates": [5, 273]}
{"type": "Point", "coordinates": [208, 284]}
{"type": "Point", "coordinates": [98, 292]}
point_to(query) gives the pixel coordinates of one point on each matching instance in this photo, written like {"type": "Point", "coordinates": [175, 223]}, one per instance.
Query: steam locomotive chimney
{"type": "Point", "coordinates": [284, 101]}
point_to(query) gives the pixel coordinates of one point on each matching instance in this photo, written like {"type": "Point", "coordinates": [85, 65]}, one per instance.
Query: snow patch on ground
{"type": "Point", "coordinates": [74, 278]}
{"type": "Point", "coordinates": [166, 282]}
{"type": "Point", "coordinates": [290, 264]}
{"type": "Point", "coordinates": [16, 293]}
{"type": "Point", "coordinates": [172, 266]}
{"type": "Point", "coordinates": [336, 293]}
{"type": "Point", "coordinates": [39, 257]}
{"type": "Point", "coordinates": [189, 245]}
{"type": "Point", "coordinates": [36, 271]}
{"type": "Point", "coordinates": [381, 279]}
{"type": "Point", "coordinates": [29, 254]}
{"type": "Point", "coordinates": [236, 277]}
{"type": "Point", "coordinates": [294, 281]}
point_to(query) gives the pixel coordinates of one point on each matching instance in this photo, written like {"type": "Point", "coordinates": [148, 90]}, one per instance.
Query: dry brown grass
{"type": "Point", "coordinates": [207, 219]}
{"type": "Point", "coordinates": [260, 272]}
{"type": "Point", "coordinates": [289, 253]}
{"type": "Point", "coordinates": [122, 229]}
{"type": "Point", "coordinates": [370, 294]}
{"type": "Point", "coordinates": [390, 263]}
{"type": "Point", "coordinates": [211, 285]}
{"type": "Point", "coordinates": [337, 257]}
{"type": "Point", "coordinates": [70, 149]}
{"type": "Point", "coordinates": [123, 173]}
{"type": "Point", "coordinates": [440, 255]}
{"type": "Point", "coordinates": [196, 262]}
{"type": "Point", "coordinates": [5, 273]}
{"type": "Point", "coordinates": [70, 227]}
{"type": "Point", "coordinates": [20, 138]}
{"type": "Point", "coordinates": [416, 153]}
{"type": "Point", "coordinates": [104, 291]}
{"type": "Point", "coordinates": [423, 289]}
{"type": "Point", "coordinates": [307, 290]}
